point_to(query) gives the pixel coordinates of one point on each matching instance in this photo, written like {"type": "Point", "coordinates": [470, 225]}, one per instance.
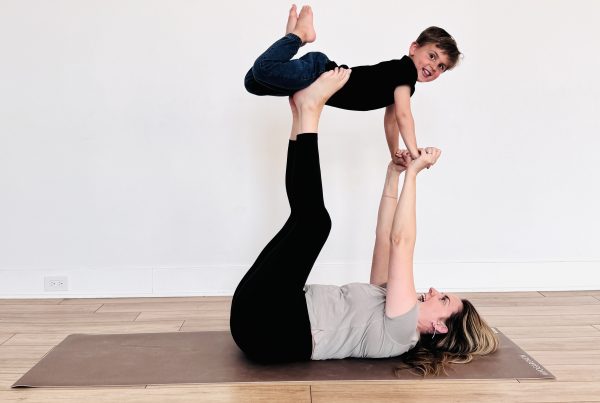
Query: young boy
{"type": "Point", "coordinates": [388, 84]}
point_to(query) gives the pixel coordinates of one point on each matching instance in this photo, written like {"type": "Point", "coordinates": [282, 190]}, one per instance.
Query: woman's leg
{"type": "Point", "coordinates": [286, 227]}
{"type": "Point", "coordinates": [269, 319]}
{"type": "Point", "coordinates": [289, 168]}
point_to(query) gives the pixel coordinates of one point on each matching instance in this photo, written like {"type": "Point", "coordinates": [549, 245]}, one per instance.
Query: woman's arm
{"type": "Point", "coordinates": [401, 293]}
{"type": "Point", "coordinates": [385, 215]}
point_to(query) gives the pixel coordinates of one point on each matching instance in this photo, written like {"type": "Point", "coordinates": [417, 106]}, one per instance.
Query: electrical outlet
{"type": "Point", "coordinates": [56, 283]}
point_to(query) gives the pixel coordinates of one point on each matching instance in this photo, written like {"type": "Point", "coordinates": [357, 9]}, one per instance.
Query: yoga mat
{"type": "Point", "coordinates": [213, 357]}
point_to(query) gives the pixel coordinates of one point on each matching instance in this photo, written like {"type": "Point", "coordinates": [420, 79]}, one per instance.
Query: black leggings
{"type": "Point", "coordinates": [269, 318]}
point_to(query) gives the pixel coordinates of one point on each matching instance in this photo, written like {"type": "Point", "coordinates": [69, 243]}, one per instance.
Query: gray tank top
{"type": "Point", "coordinates": [350, 321]}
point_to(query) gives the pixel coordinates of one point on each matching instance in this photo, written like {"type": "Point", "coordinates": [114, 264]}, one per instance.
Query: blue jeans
{"type": "Point", "coordinates": [274, 73]}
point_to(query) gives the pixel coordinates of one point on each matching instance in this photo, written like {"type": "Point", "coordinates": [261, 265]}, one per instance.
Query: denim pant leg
{"type": "Point", "coordinates": [275, 70]}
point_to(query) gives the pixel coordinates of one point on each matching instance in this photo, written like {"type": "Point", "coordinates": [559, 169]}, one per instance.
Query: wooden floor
{"type": "Point", "coordinates": [560, 329]}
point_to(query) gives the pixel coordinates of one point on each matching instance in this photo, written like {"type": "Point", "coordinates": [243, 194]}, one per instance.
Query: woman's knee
{"type": "Point", "coordinates": [324, 221]}
{"type": "Point", "coordinates": [315, 221]}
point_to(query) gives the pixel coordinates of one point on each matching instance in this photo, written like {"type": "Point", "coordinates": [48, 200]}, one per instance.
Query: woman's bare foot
{"type": "Point", "coordinates": [311, 100]}
{"type": "Point", "coordinates": [316, 94]}
{"type": "Point", "coordinates": [295, 119]}
{"type": "Point", "coordinates": [292, 20]}
{"type": "Point", "coordinates": [304, 28]}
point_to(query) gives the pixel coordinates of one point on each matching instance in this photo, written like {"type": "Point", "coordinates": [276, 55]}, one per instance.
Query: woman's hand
{"type": "Point", "coordinates": [428, 157]}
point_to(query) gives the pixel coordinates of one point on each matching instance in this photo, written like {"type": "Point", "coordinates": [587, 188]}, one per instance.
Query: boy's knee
{"type": "Point", "coordinates": [258, 70]}
{"type": "Point", "coordinates": [318, 60]}
{"type": "Point", "coordinates": [250, 83]}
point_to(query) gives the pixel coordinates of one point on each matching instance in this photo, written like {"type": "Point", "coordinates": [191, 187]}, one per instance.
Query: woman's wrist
{"type": "Point", "coordinates": [392, 172]}
{"type": "Point", "coordinates": [411, 172]}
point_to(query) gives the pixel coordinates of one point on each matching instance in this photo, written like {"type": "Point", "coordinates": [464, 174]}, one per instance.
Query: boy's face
{"type": "Point", "coordinates": [429, 60]}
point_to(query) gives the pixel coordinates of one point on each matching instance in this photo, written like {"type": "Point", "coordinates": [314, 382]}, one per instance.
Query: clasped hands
{"type": "Point", "coordinates": [402, 160]}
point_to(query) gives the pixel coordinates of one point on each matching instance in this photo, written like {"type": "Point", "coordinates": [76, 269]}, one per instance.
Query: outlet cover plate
{"type": "Point", "coordinates": [56, 283]}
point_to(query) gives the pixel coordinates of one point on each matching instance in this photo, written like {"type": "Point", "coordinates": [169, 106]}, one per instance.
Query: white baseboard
{"type": "Point", "coordinates": [222, 280]}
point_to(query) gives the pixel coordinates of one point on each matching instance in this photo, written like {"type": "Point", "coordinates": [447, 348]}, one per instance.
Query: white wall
{"type": "Point", "coordinates": [133, 161]}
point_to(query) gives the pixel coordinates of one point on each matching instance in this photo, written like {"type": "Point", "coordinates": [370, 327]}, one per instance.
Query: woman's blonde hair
{"type": "Point", "coordinates": [468, 336]}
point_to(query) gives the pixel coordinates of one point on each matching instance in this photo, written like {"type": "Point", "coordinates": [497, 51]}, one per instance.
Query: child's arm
{"type": "Point", "coordinates": [391, 131]}
{"type": "Point", "coordinates": [404, 119]}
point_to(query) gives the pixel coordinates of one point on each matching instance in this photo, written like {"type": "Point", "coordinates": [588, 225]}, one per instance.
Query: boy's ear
{"type": "Point", "coordinates": [413, 47]}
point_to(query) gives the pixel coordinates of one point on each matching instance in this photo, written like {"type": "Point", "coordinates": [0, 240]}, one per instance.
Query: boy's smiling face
{"type": "Point", "coordinates": [429, 60]}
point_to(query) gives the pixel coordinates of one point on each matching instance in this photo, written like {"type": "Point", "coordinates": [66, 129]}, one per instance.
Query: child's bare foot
{"type": "Point", "coordinates": [304, 28]}
{"type": "Point", "coordinates": [315, 95]}
{"type": "Point", "coordinates": [292, 19]}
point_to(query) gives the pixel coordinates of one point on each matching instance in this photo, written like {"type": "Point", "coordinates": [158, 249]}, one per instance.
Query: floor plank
{"type": "Point", "coordinates": [529, 310]}
{"type": "Point", "coordinates": [151, 306]}
{"type": "Point", "coordinates": [102, 328]}
{"type": "Point", "coordinates": [499, 295]}
{"type": "Point", "coordinates": [550, 331]}
{"type": "Point", "coordinates": [547, 391]}
{"type": "Point", "coordinates": [593, 293]}
{"type": "Point", "coordinates": [4, 337]}
{"type": "Point", "coordinates": [30, 301]}
{"type": "Point", "coordinates": [141, 300]}
{"type": "Point", "coordinates": [48, 308]}
{"type": "Point", "coordinates": [574, 372]}
{"type": "Point", "coordinates": [36, 339]}
{"type": "Point", "coordinates": [546, 301]}
{"type": "Point", "coordinates": [542, 320]}
{"type": "Point", "coordinates": [20, 358]}
{"type": "Point", "coordinates": [582, 357]}
{"type": "Point", "coordinates": [69, 317]}
{"type": "Point", "coordinates": [183, 315]}
{"type": "Point", "coordinates": [6, 380]}
{"type": "Point", "coordinates": [220, 324]}
{"type": "Point", "coordinates": [562, 343]}
{"type": "Point", "coordinates": [200, 393]}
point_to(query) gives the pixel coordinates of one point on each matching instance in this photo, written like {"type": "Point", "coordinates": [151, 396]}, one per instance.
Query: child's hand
{"type": "Point", "coordinates": [401, 157]}
{"type": "Point", "coordinates": [400, 161]}
{"type": "Point", "coordinates": [428, 157]}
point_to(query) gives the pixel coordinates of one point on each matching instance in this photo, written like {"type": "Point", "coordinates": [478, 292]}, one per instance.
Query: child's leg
{"type": "Point", "coordinates": [274, 73]}
{"type": "Point", "coordinates": [275, 70]}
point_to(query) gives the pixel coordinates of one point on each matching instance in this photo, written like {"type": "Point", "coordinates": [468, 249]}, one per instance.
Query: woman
{"type": "Point", "coordinates": [276, 317]}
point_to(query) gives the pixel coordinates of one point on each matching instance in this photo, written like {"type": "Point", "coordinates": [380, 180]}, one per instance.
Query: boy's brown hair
{"type": "Point", "coordinates": [443, 40]}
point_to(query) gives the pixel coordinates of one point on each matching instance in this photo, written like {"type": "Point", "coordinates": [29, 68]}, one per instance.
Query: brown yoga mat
{"type": "Point", "coordinates": [213, 357]}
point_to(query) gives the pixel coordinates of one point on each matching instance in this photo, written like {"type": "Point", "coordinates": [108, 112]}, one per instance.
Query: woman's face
{"type": "Point", "coordinates": [437, 307]}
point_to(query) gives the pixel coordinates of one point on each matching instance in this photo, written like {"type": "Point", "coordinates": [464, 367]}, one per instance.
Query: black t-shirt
{"type": "Point", "coordinates": [372, 87]}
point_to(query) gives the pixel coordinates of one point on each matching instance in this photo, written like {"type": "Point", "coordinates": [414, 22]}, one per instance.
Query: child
{"type": "Point", "coordinates": [389, 84]}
